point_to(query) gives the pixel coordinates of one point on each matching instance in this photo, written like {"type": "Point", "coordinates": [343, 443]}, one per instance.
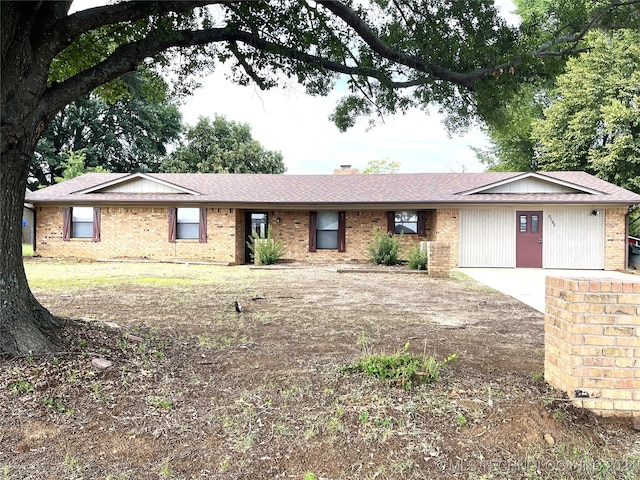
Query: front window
{"type": "Point", "coordinates": [327, 230]}
{"type": "Point", "coordinates": [406, 222]}
{"type": "Point", "coordinates": [82, 222]}
{"type": "Point", "coordinates": [188, 222]}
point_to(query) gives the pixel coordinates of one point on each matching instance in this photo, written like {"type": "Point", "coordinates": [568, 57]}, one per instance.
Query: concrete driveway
{"type": "Point", "coordinates": [528, 284]}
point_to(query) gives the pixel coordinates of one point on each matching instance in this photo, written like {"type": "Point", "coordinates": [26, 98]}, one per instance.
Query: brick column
{"type": "Point", "coordinates": [615, 238]}
{"type": "Point", "coordinates": [439, 259]}
{"type": "Point", "coordinates": [592, 343]}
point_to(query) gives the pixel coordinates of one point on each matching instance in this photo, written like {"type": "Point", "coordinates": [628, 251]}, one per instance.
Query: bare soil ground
{"type": "Point", "coordinates": [197, 390]}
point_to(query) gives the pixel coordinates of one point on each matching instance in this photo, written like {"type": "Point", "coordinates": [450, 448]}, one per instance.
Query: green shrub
{"type": "Point", "coordinates": [417, 258]}
{"type": "Point", "coordinates": [402, 368]}
{"type": "Point", "coordinates": [383, 249]}
{"type": "Point", "coordinates": [266, 251]}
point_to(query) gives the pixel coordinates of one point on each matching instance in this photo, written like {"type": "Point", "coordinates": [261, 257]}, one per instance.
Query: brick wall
{"type": "Point", "coordinates": [615, 238]}
{"type": "Point", "coordinates": [138, 232]}
{"type": "Point", "coordinates": [439, 263]}
{"type": "Point", "coordinates": [592, 343]}
{"type": "Point", "coordinates": [447, 228]}
{"type": "Point", "coordinates": [142, 232]}
{"type": "Point", "coordinates": [293, 228]}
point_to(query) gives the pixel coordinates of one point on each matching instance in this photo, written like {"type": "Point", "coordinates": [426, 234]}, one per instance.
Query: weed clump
{"type": "Point", "coordinates": [402, 368]}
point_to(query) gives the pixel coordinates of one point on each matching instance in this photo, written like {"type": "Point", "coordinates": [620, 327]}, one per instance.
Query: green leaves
{"type": "Point", "coordinates": [401, 368]}
{"type": "Point", "coordinates": [266, 250]}
{"type": "Point", "coordinates": [383, 249]}
{"type": "Point", "coordinates": [594, 122]}
{"type": "Point", "coordinates": [222, 146]}
{"type": "Point", "coordinates": [127, 135]}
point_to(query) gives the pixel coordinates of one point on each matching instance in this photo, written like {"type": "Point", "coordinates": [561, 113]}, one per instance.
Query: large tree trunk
{"type": "Point", "coordinates": [25, 325]}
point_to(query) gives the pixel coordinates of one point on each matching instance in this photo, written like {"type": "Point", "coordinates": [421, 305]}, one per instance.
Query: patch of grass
{"type": "Point", "coordinates": [21, 387]}
{"type": "Point", "coordinates": [54, 275]}
{"type": "Point", "coordinates": [27, 250]}
{"type": "Point", "coordinates": [402, 368]}
{"type": "Point", "coordinates": [54, 403]}
{"type": "Point", "coordinates": [165, 468]}
{"type": "Point", "coordinates": [160, 403]}
{"type": "Point", "coordinates": [469, 282]}
{"type": "Point", "coordinates": [461, 420]}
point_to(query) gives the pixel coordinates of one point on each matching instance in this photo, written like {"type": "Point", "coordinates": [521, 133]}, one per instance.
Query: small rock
{"type": "Point", "coordinates": [112, 324]}
{"type": "Point", "coordinates": [101, 363]}
{"type": "Point", "coordinates": [134, 338]}
{"type": "Point", "coordinates": [549, 439]}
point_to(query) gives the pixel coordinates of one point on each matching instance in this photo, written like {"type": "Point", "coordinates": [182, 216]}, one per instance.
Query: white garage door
{"type": "Point", "coordinates": [487, 238]}
{"type": "Point", "coordinates": [573, 239]}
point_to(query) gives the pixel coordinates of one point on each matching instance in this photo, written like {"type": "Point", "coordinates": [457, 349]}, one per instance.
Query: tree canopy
{"type": "Point", "coordinates": [383, 165]}
{"type": "Point", "coordinates": [587, 120]}
{"type": "Point", "coordinates": [74, 165]}
{"type": "Point", "coordinates": [126, 134]}
{"type": "Point", "coordinates": [222, 146]}
{"type": "Point", "coordinates": [396, 54]}
{"type": "Point", "coordinates": [593, 121]}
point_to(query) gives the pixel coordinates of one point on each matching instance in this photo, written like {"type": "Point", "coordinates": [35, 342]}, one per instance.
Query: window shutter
{"type": "Point", "coordinates": [173, 224]}
{"type": "Point", "coordinates": [313, 221]}
{"type": "Point", "coordinates": [202, 226]}
{"type": "Point", "coordinates": [422, 223]}
{"type": "Point", "coordinates": [66, 224]}
{"type": "Point", "coordinates": [96, 224]}
{"type": "Point", "coordinates": [342, 231]}
{"type": "Point", "coordinates": [391, 222]}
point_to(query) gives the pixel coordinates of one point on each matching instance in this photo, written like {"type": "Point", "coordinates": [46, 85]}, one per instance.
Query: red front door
{"type": "Point", "coordinates": [529, 239]}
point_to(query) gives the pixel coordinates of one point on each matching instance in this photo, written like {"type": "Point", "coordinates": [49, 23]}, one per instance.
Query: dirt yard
{"type": "Point", "coordinates": [198, 390]}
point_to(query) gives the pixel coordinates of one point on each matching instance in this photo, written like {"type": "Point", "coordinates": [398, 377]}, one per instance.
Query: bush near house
{"type": "Point", "coordinates": [417, 258]}
{"type": "Point", "coordinates": [266, 250]}
{"type": "Point", "coordinates": [384, 248]}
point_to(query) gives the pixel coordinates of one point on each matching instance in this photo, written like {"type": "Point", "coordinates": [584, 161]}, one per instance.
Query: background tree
{"type": "Point", "coordinates": [126, 134]}
{"type": "Point", "coordinates": [74, 166]}
{"type": "Point", "coordinates": [382, 166]}
{"type": "Point", "coordinates": [222, 146]}
{"type": "Point", "coordinates": [593, 122]}
{"type": "Point", "coordinates": [509, 121]}
{"type": "Point", "coordinates": [396, 54]}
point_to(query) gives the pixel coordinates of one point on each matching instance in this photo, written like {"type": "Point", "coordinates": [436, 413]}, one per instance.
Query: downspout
{"type": "Point", "coordinates": [33, 227]}
{"type": "Point", "coordinates": [627, 233]}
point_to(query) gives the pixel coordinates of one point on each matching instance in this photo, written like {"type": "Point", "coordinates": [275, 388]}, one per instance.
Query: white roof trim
{"type": "Point", "coordinates": [133, 176]}
{"type": "Point", "coordinates": [537, 176]}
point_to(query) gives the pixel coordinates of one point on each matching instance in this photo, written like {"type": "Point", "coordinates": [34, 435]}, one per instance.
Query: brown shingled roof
{"type": "Point", "coordinates": [329, 190]}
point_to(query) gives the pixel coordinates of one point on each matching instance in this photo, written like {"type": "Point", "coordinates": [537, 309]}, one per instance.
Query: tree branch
{"type": "Point", "coordinates": [351, 18]}
{"type": "Point", "coordinates": [578, 36]}
{"type": "Point", "coordinates": [68, 29]}
{"type": "Point", "coordinates": [233, 46]}
{"type": "Point", "coordinates": [127, 57]}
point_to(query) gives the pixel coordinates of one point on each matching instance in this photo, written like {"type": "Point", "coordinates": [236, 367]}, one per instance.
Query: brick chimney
{"type": "Point", "coordinates": [346, 170]}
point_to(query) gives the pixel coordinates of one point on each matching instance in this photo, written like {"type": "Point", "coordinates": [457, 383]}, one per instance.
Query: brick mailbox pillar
{"type": "Point", "coordinates": [592, 343]}
{"type": "Point", "coordinates": [439, 259]}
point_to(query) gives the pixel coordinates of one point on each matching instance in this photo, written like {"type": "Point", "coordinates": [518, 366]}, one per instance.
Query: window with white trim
{"type": "Point", "coordinates": [188, 223]}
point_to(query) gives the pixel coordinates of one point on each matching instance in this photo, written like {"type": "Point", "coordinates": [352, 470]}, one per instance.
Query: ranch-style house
{"type": "Point", "coordinates": [499, 219]}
